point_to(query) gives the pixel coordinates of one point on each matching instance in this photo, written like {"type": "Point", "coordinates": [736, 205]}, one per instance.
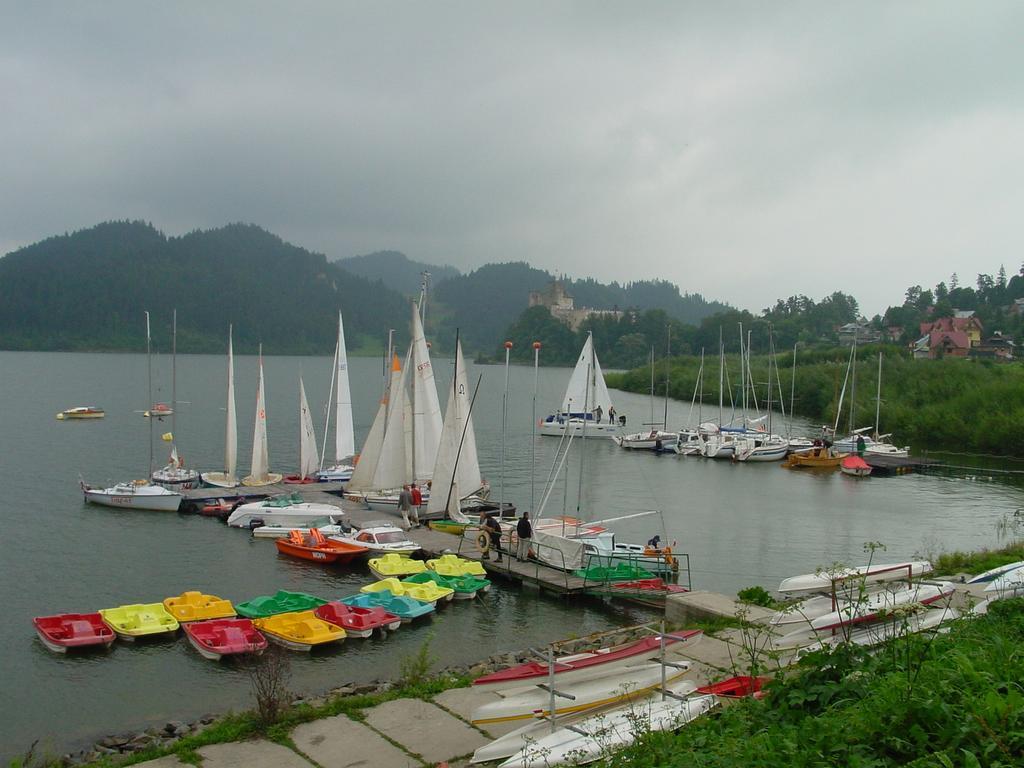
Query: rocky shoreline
{"type": "Point", "coordinates": [165, 737]}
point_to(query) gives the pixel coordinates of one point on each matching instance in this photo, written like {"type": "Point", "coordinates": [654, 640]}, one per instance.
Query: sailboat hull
{"type": "Point", "coordinates": [339, 473]}
{"type": "Point", "coordinates": [219, 480]}
{"type": "Point", "coordinates": [256, 482]}
{"type": "Point", "coordinates": [128, 500]}
{"type": "Point", "coordinates": [556, 426]}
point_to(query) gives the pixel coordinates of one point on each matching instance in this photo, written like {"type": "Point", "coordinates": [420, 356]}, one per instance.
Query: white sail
{"type": "Point", "coordinates": [462, 465]}
{"type": "Point", "coordinates": [586, 385]}
{"type": "Point", "coordinates": [426, 409]}
{"type": "Point", "coordinates": [231, 425]}
{"type": "Point", "coordinates": [260, 456]}
{"type": "Point", "coordinates": [365, 475]}
{"type": "Point", "coordinates": [308, 458]}
{"type": "Point", "coordinates": [344, 432]}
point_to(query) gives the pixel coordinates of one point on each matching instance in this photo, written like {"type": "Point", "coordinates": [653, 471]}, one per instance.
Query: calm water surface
{"type": "Point", "coordinates": [742, 525]}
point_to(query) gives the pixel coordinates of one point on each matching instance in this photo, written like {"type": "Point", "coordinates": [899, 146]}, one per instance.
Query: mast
{"type": "Point", "coordinates": [652, 385]}
{"type": "Point", "coordinates": [878, 395]}
{"type": "Point", "coordinates": [149, 368]}
{"type": "Point", "coordinates": [504, 421]}
{"type": "Point", "coordinates": [330, 399]}
{"type": "Point", "coordinates": [592, 385]}
{"type": "Point", "coordinates": [743, 379]}
{"type": "Point", "coordinates": [721, 375]}
{"type": "Point", "coordinates": [853, 383]}
{"type": "Point", "coordinates": [174, 375]}
{"type": "Point", "coordinates": [792, 390]}
{"type": "Point", "coordinates": [668, 369]}
{"type": "Point", "coordinates": [533, 459]}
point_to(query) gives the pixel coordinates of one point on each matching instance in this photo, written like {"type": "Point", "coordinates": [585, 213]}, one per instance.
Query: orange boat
{"type": "Point", "coordinates": [819, 456]}
{"type": "Point", "coordinates": [316, 547]}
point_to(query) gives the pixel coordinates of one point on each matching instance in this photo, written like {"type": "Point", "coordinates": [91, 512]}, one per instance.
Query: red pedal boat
{"type": "Point", "coordinates": [218, 638]}
{"type": "Point", "coordinates": [356, 621]}
{"type": "Point", "coordinates": [73, 630]}
{"type": "Point", "coordinates": [317, 547]}
{"type": "Point", "coordinates": [736, 687]}
{"type": "Point", "coordinates": [580, 665]}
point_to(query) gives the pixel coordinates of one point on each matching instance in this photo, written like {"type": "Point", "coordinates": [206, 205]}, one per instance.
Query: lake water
{"type": "Point", "coordinates": [741, 524]}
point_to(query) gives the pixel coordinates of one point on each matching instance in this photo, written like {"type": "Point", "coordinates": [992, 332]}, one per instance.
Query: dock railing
{"type": "Point", "coordinates": [508, 538]}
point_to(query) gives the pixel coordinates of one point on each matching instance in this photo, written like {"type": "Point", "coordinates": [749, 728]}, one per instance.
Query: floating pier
{"type": "Point", "coordinates": [899, 465]}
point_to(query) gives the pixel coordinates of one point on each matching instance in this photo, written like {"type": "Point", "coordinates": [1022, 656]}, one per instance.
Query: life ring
{"type": "Point", "coordinates": [483, 542]}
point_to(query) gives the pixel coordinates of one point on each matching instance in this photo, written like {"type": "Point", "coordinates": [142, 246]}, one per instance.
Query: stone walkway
{"type": "Point", "coordinates": [406, 733]}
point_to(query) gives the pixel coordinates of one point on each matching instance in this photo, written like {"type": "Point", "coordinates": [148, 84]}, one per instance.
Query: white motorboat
{"type": "Point", "coordinates": [766, 448]}
{"type": "Point", "coordinates": [328, 526]}
{"type": "Point", "coordinates": [591, 739]}
{"type": "Point", "coordinates": [228, 478]}
{"type": "Point", "coordinates": [344, 432]}
{"type": "Point", "coordinates": [259, 473]}
{"type": "Point", "coordinates": [379, 539]}
{"type": "Point", "coordinates": [81, 412]}
{"type": "Point", "coordinates": [134, 495]}
{"type": "Point", "coordinates": [287, 509]}
{"type": "Point", "coordinates": [688, 443]}
{"type": "Point", "coordinates": [585, 393]}
{"type": "Point", "coordinates": [621, 685]}
{"type": "Point", "coordinates": [823, 580]}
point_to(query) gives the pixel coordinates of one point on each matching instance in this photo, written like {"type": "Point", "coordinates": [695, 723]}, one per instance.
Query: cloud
{"type": "Point", "coordinates": [743, 150]}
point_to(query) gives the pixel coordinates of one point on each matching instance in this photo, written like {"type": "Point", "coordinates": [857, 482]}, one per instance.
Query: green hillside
{"type": "Point", "coordinates": [396, 270]}
{"type": "Point", "coordinates": [88, 290]}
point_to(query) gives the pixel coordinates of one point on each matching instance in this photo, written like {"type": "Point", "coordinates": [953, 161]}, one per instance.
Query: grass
{"type": "Point", "coordinates": [949, 563]}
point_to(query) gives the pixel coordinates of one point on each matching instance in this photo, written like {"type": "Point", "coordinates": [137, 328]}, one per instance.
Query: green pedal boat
{"type": "Point", "coordinates": [465, 587]}
{"type": "Point", "coordinates": [282, 602]}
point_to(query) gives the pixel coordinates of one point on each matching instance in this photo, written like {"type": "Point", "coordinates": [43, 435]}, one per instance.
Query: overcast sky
{"type": "Point", "coordinates": [748, 151]}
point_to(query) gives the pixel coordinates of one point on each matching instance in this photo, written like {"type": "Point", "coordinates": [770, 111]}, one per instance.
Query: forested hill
{"type": "Point", "coordinates": [396, 270]}
{"type": "Point", "coordinates": [89, 289]}
{"type": "Point", "coordinates": [485, 302]}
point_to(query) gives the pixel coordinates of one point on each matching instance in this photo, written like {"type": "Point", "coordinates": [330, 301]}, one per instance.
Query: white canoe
{"type": "Point", "coordinates": [869, 607]}
{"type": "Point", "coordinates": [824, 579]}
{"type": "Point", "coordinates": [622, 685]}
{"type": "Point", "coordinates": [528, 735]}
{"type": "Point", "coordinates": [873, 634]}
{"type": "Point", "coordinates": [590, 739]}
{"type": "Point", "coordinates": [136, 495]}
{"type": "Point", "coordinates": [1007, 581]}
{"type": "Point", "coordinates": [326, 527]}
{"type": "Point", "coordinates": [294, 515]}
{"type": "Point", "coordinates": [994, 573]}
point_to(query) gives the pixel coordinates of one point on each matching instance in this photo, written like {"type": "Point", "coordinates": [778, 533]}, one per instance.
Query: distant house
{"type": "Point", "coordinates": [893, 332]}
{"type": "Point", "coordinates": [920, 349]}
{"type": "Point", "coordinates": [860, 331]}
{"type": "Point", "coordinates": [562, 306]}
{"type": "Point", "coordinates": [995, 347]}
{"type": "Point", "coordinates": [951, 336]}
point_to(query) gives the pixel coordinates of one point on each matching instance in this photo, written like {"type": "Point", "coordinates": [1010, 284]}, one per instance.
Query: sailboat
{"type": "Point", "coordinates": [260, 473]}
{"type": "Point", "coordinates": [403, 442]}
{"type": "Point", "coordinates": [762, 445]}
{"type": "Point", "coordinates": [228, 478]}
{"type": "Point", "coordinates": [584, 395]}
{"type": "Point", "coordinates": [175, 475]}
{"type": "Point", "coordinates": [344, 433]}
{"type": "Point", "coordinates": [457, 469]}
{"type": "Point", "coordinates": [652, 439]}
{"type": "Point", "coordinates": [308, 458]}
{"type": "Point", "coordinates": [137, 494]}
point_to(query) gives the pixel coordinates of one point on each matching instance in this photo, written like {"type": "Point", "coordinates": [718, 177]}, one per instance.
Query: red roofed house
{"type": "Point", "coordinates": [952, 336]}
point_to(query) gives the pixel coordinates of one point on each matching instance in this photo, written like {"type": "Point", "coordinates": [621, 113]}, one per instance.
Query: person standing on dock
{"type": "Point", "coordinates": [860, 446]}
{"type": "Point", "coordinates": [493, 528]}
{"type": "Point", "coordinates": [525, 533]}
{"type": "Point", "coordinates": [406, 508]}
{"type": "Point", "coordinates": [598, 413]}
{"type": "Point", "coordinates": [417, 500]}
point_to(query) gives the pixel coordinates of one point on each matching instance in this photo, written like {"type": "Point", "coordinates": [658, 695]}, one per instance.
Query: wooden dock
{"type": "Point", "coordinates": [899, 465]}
{"type": "Point", "coordinates": [434, 543]}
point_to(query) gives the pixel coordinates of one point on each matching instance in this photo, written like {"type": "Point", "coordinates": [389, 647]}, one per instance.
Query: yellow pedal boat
{"type": "Point", "coordinates": [299, 631]}
{"type": "Point", "coordinates": [133, 621]}
{"type": "Point", "coordinates": [425, 593]}
{"type": "Point", "coordinates": [453, 565]}
{"type": "Point", "coordinates": [195, 606]}
{"type": "Point", "coordinates": [396, 565]}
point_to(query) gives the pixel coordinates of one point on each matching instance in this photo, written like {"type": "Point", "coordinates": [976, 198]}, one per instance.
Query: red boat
{"type": "Point", "coordinates": [577, 666]}
{"type": "Point", "coordinates": [356, 621]}
{"type": "Point", "coordinates": [218, 638]}
{"type": "Point", "coordinates": [736, 687]}
{"type": "Point", "coordinates": [73, 630]}
{"type": "Point", "coordinates": [316, 547]}
{"type": "Point", "coordinates": [219, 508]}
{"type": "Point", "coordinates": [296, 480]}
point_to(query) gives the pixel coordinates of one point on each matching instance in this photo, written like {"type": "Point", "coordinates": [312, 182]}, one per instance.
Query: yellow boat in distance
{"type": "Point", "coordinates": [453, 565]}
{"type": "Point", "coordinates": [82, 412]}
{"type": "Point", "coordinates": [393, 564]}
{"type": "Point", "coordinates": [818, 457]}
{"type": "Point", "coordinates": [425, 593]}
{"type": "Point", "coordinates": [133, 621]}
{"type": "Point", "coordinates": [299, 631]}
{"type": "Point", "coordinates": [195, 606]}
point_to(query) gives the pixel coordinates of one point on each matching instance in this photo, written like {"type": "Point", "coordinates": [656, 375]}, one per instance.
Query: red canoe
{"type": "Point", "coordinates": [653, 586]}
{"type": "Point", "coordinates": [73, 630]}
{"type": "Point", "coordinates": [317, 548]}
{"type": "Point", "coordinates": [221, 508]}
{"type": "Point", "coordinates": [218, 638]}
{"type": "Point", "coordinates": [577, 665]}
{"type": "Point", "coordinates": [356, 621]}
{"type": "Point", "coordinates": [736, 687]}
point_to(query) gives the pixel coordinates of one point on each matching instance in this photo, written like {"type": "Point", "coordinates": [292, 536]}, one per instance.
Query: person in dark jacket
{"type": "Point", "coordinates": [494, 531]}
{"type": "Point", "coordinates": [525, 533]}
